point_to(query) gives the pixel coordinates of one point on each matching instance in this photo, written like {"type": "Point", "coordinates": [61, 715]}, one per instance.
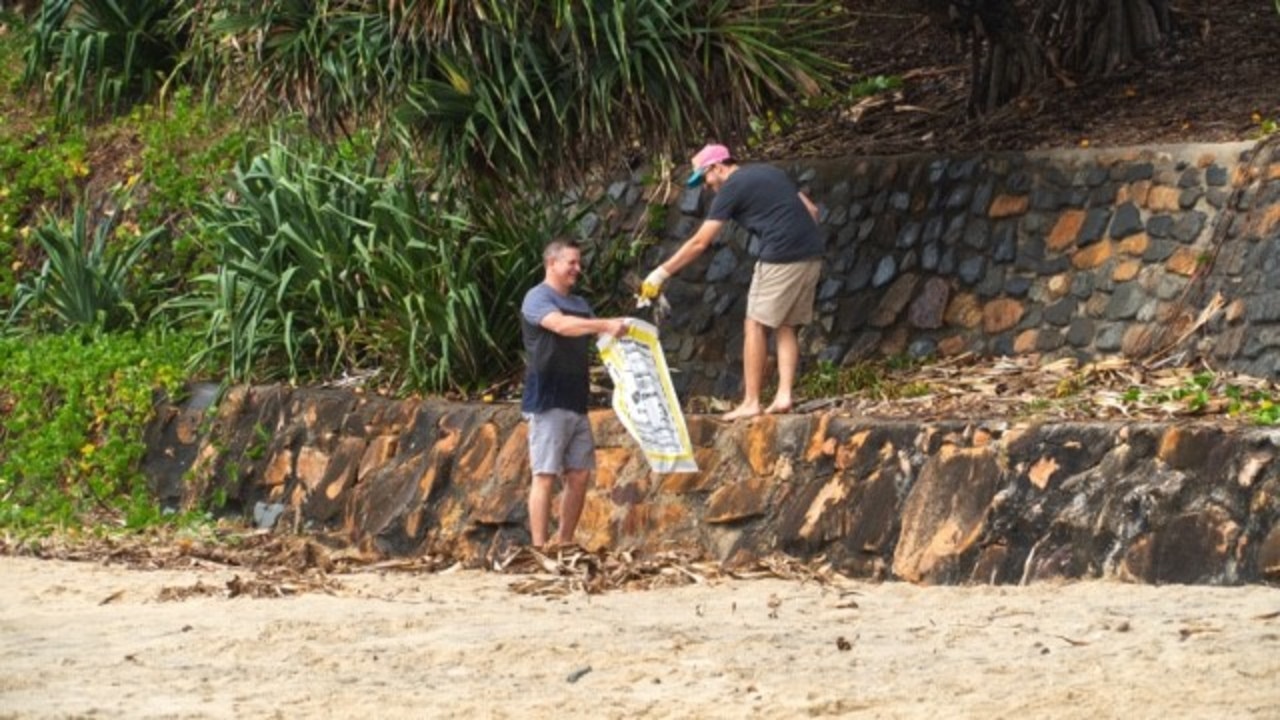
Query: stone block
{"type": "Point", "coordinates": [944, 514]}
{"type": "Point", "coordinates": [1066, 230]}
{"type": "Point", "coordinates": [1004, 206]}
{"type": "Point", "coordinates": [1001, 314]}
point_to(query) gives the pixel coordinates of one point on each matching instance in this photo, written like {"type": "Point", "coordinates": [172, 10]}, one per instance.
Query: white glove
{"type": "Point", "coordinates": [652, 284]}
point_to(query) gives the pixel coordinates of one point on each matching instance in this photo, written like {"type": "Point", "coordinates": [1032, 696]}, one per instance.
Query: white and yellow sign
{"type": "Point", "coordinates": [644, 399]}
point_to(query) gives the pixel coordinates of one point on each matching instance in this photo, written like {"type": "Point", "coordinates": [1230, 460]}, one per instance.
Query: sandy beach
{"type": "Point", "coordinates": [81, 639]}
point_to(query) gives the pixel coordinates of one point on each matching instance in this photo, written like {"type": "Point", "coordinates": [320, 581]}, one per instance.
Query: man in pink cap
{"type": "Point", "coordinates": [767, 203]}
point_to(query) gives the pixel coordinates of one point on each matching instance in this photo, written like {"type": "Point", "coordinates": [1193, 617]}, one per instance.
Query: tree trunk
{"type": "Point", "coordinates": [1006, 61]}
{"type": "Point", "coordinates": [1093, 38]}
{"type": "Point", "coordinates": [1073, 38]}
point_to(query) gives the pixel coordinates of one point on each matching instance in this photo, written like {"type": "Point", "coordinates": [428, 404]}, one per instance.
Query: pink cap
{"type": "Point", "coordinates": [706, 157]}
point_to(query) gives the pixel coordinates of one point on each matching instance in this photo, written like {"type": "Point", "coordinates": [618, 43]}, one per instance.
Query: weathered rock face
{"type": "Point", "coordinates": [930, 502]}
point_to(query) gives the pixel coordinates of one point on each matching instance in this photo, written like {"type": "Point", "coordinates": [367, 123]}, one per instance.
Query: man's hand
{"type": "Point", "coordinates": [617, 327]}
{"type": "Point", "coordinates": [652, 284]}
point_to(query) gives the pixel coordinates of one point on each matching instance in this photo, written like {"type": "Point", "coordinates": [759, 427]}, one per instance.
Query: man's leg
{"type": "Point", "coordinates": [575, 493]}
{"type": "Point", "coordinates": [540, 507]}
{"type": "Point", "coordinates": [788, 359]}
{"type": "Point", "coordinates": [755, 352]}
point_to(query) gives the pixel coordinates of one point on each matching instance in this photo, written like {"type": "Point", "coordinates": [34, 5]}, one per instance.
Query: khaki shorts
{"type": "Point", "coordinates": [782, 293]}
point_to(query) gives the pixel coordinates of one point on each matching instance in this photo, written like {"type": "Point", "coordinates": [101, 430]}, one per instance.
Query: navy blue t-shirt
{"type": "Point", "coordinates": [763, 199]}
{"type": "Point", "coordinates": [557, 371]}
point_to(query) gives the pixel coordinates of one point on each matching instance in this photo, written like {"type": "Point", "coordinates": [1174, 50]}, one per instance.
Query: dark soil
{"type": "Point", "coordinates": [1217, 80]}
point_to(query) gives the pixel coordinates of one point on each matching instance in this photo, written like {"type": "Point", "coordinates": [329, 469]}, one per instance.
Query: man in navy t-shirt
{"type": "Point", "coordinates": [557, 328]}
{"type": "Point", "coordinates": [762, 199]}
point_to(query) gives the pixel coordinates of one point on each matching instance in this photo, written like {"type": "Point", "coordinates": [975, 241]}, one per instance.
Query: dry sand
{"type": "Point", "coordinates": [84, 639]}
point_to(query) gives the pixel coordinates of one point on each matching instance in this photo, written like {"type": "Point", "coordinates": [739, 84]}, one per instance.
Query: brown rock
{"type": "Point", "coordinates": [851, 449]}
{"type": "Point", "coordinates": [376, 454]}
{"type": "Point", "coordinates": [681, 483]}
{"type": "Point", "coordinates": [1235, 311]}
{"type": "Point", "coordinates": [609, 463]}
{"type": "Point", "coordinates": [894, 342]}
{"type": "Point", "coordinates": [595, 525]}
{"type": "Point", "coordinates": [1187, 448]}
{"type": "Point", "coordinates": [668, 520]}
{"type": "Point", "coordinates": [1126, 270]}
{"type": "Point", "coordinates": [1139, 192]}
{"type": "Point", "coordinates": [1184, 261]}
{"type": "Point", "coordinates": [1042, 472]}
{"type": "Point", "coordinates": [1193, 548]}
{"type": "Point", "coordinates": [760, 445]}
{"type": "Point", "coordinates": [1269, 556]}
{"type": "Point", "coordinates": [1009, 206]}
{"type": "Point", "coordinates": [1267, 220]}
{"type": "Point", "coordinates": [1093, 256]}
{"type": "Point", "coordinates": [479, 455]}
{"type": "Point", "coordinates": [739, 500]}
{"type": "Point", "coordinates": [1137, 341]}
{"type": "Point", "coordinates": [1066, 231]}
{"type": "Point", "coordinates": [1025, 342]}
{"type": "Point", "coordinates": [1000, 315]}
{"type": "Point", "coordinates": [1164, 198]}
{"type": "Point", "coordinates": [944, 514]}
{"type": "Point", "coordinates": [1136, 244]}
{"type": "Point", "coordinates": [327, 499]}
{"type": "Point", "coordinates": [952, 345]}
{"type": "Point", "coordinates": [965, 311]}
{"type": "Point", "coordinates": [279, 468]}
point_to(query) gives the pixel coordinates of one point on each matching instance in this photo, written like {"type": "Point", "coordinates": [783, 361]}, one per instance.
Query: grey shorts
{"type": "Point", "coordinates": [783, 293]}
{"type": "Point", "coordinates": [560, 440]}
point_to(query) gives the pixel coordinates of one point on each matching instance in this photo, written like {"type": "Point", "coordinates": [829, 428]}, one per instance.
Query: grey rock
{"type": "Point", "coordinates": [1127, 221]}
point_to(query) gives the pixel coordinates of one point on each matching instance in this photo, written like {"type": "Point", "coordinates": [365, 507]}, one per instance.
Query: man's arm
{"type": "Point", "coordinates": [693, 247]}
{"type": "Point", "coordinates": [808, 205]}
{"type": "Point", "coordinates": [574, 326]}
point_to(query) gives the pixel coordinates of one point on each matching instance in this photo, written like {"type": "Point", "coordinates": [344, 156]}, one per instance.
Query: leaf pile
{"type": "Point", "coordinates": [968, 388]}
{"type": "Point", "coordinates": [569, 570]}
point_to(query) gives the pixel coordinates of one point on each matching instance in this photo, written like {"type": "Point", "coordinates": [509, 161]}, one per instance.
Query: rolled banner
{"type": "Point", "coordinates": [644, 399]}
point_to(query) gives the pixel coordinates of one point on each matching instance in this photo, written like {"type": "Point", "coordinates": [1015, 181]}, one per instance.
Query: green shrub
{"type": "Point", "coordinates": [102, 55]}
{"type": "Point", "coordinates": [331, 266]}
{"type": "Point", "coordinates": [85, 282]}
{"type": "Point", "coordinates": [75, 408]}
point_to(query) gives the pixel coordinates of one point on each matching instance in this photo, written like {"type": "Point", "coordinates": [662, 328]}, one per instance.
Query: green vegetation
{"type": "Point", "coordinates": [867, 379]}
{"type": "Point", "coordinates": [1205, 390]}
{"type": "Point", "coordinates": [75, 407]}
{"type": "Point", "coordinates": [247, 191]}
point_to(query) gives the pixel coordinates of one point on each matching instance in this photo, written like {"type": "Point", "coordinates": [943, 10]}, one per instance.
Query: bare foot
{"type": "Point", "coordinates": [742, 411]}
{"type": "Point", "coordinates": [778, 408]}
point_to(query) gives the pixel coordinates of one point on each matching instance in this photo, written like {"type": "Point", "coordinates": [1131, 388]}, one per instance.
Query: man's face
{"type": "Point", "coordinates": [714, 177]}
{"type": "Point", "coordinates": [565, 266]}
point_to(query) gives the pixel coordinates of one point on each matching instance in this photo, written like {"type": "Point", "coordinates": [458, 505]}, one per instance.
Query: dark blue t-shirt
{"type": "Point", "coordinates": [556, 375]}
{"type": "Point", "coordinates": [763, 199]}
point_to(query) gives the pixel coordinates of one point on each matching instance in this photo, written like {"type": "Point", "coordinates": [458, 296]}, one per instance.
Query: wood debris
{"type": "Point", "coordinates": [968, 387]}
{"type": "Point", "coordinates": [563, 571]}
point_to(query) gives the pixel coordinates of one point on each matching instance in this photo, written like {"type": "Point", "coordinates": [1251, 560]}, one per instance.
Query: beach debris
{"type": "Point", "coordinates": [1112, 388]}
{"type": "Point", "coordinates": [569, 570]}
{"type": "Point", "coordinates": [576, 675]}
{"type": "Point", "coordinates": [843, 645]}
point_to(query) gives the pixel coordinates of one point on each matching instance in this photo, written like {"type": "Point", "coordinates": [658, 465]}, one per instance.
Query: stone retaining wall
{"type": "Point", "coordinates": [1078, 252]}
{"type": "Point", "coordinates": [934, 502]}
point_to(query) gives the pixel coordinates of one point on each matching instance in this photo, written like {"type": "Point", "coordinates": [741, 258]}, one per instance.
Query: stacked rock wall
{"type": "Point", "coordinates": [1086, 253]}
{"type": "Point", "coordinates": [936, 502]}
{"type": "Point", "coordinates": [1080, 252]}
